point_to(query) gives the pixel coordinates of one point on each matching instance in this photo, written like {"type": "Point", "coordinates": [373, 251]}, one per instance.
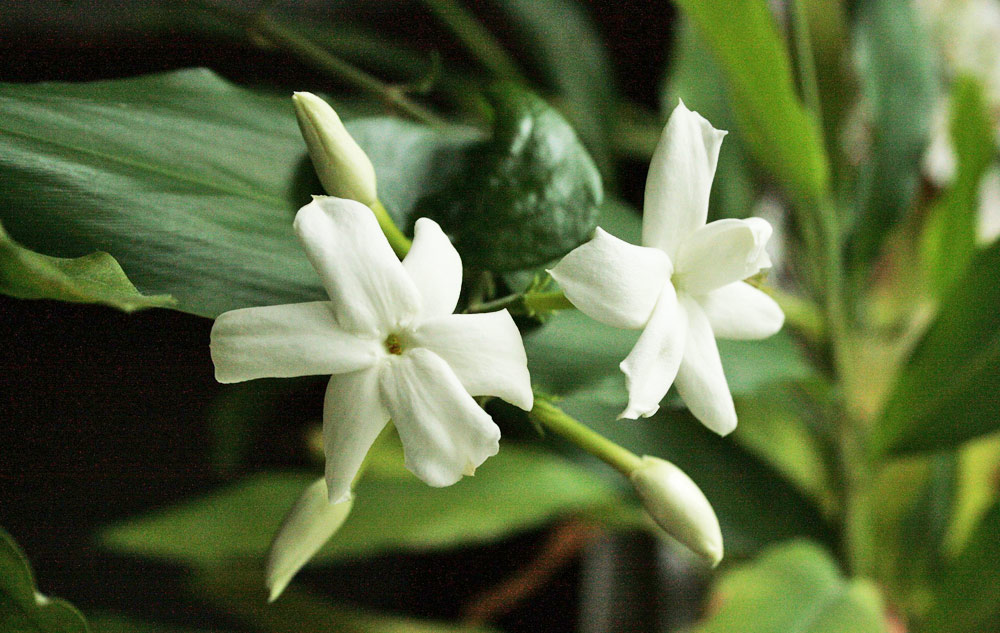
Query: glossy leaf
{"type": "Point", "coordinates": [749, 50]}
{"type": "Point", "coordinates": [946, 392]}
{"type": "Point", "coordinates": [93, 278]}
{"type": "Point", "coordinates": [22, 608]}
{"type": "Point", "coordinates": [529, 195]}
{"type": "Point", "coordinates": [518, 489]}
{"type": "Point", "coordinates": [187, 180]}
{"type": "Point", "coordinates": [793, 587]}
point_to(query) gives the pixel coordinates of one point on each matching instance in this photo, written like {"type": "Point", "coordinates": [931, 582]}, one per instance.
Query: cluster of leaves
{"type": "Point", "coordinates": [122, 167]}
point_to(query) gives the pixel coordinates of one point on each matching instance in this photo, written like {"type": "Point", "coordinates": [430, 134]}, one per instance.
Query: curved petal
{"type": "Point", "coordinates": [679, 180]}
{"type": "Point", "coordinates": [435, 268]}
{"type": "Point", "coordinates": [484, 350]}
{"type": "Point", "coordinates": [701, 382]}
{"type": "Point", "coordinates": [300, 339]}
{"type": "Point", "coordinates": [652, 364]}
{"type": "Point", "coordinates": [613, 281]}
{"type": "Point", "coordinates": [740, 311]}
{"type": "Point", "coordinates": [722, 252]}
{"type": "Point", "coordinates": [353, 416]}
{"type": "Point", "coordinates": [371, 292]}
{"type": "Point", "coordinates": [445, 434]}
{"type": "Point", "coordinates": [307, 526]}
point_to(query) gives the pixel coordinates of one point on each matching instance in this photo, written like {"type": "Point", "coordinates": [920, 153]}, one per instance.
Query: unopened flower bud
{"type": "Point", "coordinates": [342, 166]}
{"type": "Point", "coordinates": [307, 527]}
{"type": "Point", "coordinates": [678, 506]}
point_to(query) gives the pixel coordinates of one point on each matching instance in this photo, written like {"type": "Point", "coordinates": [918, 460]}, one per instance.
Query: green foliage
{"type": "Point", "coordinates": [794, 587]}
{"type": "Point", "coordinates": [22, 608]}
{"type": "Point", "coordinates": [189, 181]}
{"type": "Point", "coordinates": [519, 489]}
{"type": "Point", "coordinates": [527, 196]}
{"type": "Point", "coordinates": [945, 393]}
{"type": "Point", "coordinates": [94, 278]}
{"type": "Point", "coordinates": [899, 81]}
{"type": "Point", "coordinates": [754, 62]}
{"type": "Point", "coordinates": [949, 238]}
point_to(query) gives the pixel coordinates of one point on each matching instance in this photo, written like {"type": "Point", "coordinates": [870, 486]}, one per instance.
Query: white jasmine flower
{"type": "Point", "coordinates": [683, 287]}
{"type": "Point", "coordinates": [391, 343]}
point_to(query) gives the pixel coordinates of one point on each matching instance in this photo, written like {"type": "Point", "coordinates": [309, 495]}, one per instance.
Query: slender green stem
{"type": "Point", "coordinates": [479, 41]}
{"type": "Point", "coordinates": [555, 419]}
{"type": "Point", "coordinates": [290, 39]}
{"type": "Point", "coordinates": [806, 62]}
{"type": "Point", "coordinates": [537, 302]}
{"type": "Point", "coordinates": [397, 240]}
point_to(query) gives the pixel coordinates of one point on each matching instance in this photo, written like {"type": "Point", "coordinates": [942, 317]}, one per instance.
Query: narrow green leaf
{"type": "Point", "coordinates": [946, 392]}
{"type": "Point", "coordinates": [529, 195]}
{"type": "Point", "coordinates": [518, 489]}
{"type": "Point", "coordinates": [949, 238]}
{"type": "Point", "coordinates": [794, 587]}
{"type": "Point", "coordinates": [22, 608]}
{"type": "Point", "coordinates": [94, 278]}
{"type": "Point", "coordinates": [899, 81]}
{"type": "Point", "coordinates": [755, 65]}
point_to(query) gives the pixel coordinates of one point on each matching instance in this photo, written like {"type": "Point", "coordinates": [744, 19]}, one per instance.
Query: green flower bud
{"type": "Point", "coordinates": [678, 506]}
{"type": "Point", "coordinates": [342, 166]}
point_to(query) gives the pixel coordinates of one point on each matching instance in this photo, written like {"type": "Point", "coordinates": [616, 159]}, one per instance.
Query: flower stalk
{"type": "Point", "coordinates": [556, 420]}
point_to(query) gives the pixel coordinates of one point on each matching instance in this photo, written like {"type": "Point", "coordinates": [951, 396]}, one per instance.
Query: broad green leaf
{"type": "Point", "coordinates": [748, 48]}
{"type": "Point", "coordinates": [899, 81]}
{"type": "Point", "coordinates": [93, 278]}
{"type": "Point", "coordinates": [949, 238]}
{"type": "Point", "coordinates": [794, 587]}
{"type": "Point", "coordinates": [528, 195]}
{"type": "Point", "coordinates": [518, 489]}
{"type": "Point", "coordinates": [187, 180]}
{"type": "Point", "coordinates": [966, 594]}
{"type": "Point", "coordinates": [946, 392]}
{"type": "Point", "coordinates": [22, 608]}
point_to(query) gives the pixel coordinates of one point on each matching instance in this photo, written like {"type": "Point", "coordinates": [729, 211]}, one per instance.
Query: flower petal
{"type": "Point", "coordinates": [371, 292]}
{"type": "Point", "coordinates": [484, 351]}
{"type": "Point", "coordinates": [307, 526]}
{"type": "Point", "coordinates": [722, 252]}
{"type": "Point", "coordinates": [652, 364]}
{"type": "Point", "coordinates": [435, 268]}
{"type": "Point", "coordinates": [613, 281]}
{"type": "Point", "coordinates": [353, 416]}
{"type": "Point", "coordinates": [701, 382]}
{"type": "Point", "coordinates": [679, 180]}
{"type": "Point", "coordinates": [300, 339]}
{"type": "Point", "coordinates": [445, 434]}
{"type": "Point", "coordinates": [740, 311]}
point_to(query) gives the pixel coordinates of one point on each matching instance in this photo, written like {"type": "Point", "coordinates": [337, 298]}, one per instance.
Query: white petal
{"type": "Point", "coordinates": [353, 416]}
{"type": "Point", "coordinates": [740, 311]}
{"type": "Point", "coordinates": [371, 292]}
{"type": "Point", "coordinates": [435, 268]}
{"type": "Point", "coordinates": [306, 528]}
{"type": "Point", "coordinates": [484, 350]}
{"type": "Point", "coordinates": [679, 180]}
{"type": "Point", "coordinates": [445, 434]}
{"type": "Point", "coordinates": [700, 380]}
{"type": "Point", "coordinates": [722, 252]}
{"type": "Point", "coordinates": [613, 281]}
{"type": "Point", "coordinates": [300, 339]}
{"type": "Point", "coordinates": [652, 364]}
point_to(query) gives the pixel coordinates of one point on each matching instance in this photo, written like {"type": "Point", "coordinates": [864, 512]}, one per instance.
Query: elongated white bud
{"type": "Point", "coordinates": [309, 524]}
{"type": "Point", "coordinates": [342, 166]}
{"type": "Point", "coordinates": [678, 506]}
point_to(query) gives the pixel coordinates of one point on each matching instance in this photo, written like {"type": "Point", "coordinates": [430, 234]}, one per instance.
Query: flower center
{"type": "Point", "coordinates": [393, 345]}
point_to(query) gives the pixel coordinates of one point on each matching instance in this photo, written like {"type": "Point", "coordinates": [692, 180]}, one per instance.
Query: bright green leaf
{"type": "Point", "coordinates": [946, 392]}
{"type": "Point", "coordinates": [22, 608]}
{"type": "Point", "coordinates": [529, 195]}
{"type": "Point", "coordinates": [977, 489]}
{"type": "Point", "coordinates": [518, 489]}
{"type": "Point", "coordinates": [751, 54]}
{"type": "Point", "coordinates": [794, 587]}
{"type": "Point", "coordinates": [94, 278]}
